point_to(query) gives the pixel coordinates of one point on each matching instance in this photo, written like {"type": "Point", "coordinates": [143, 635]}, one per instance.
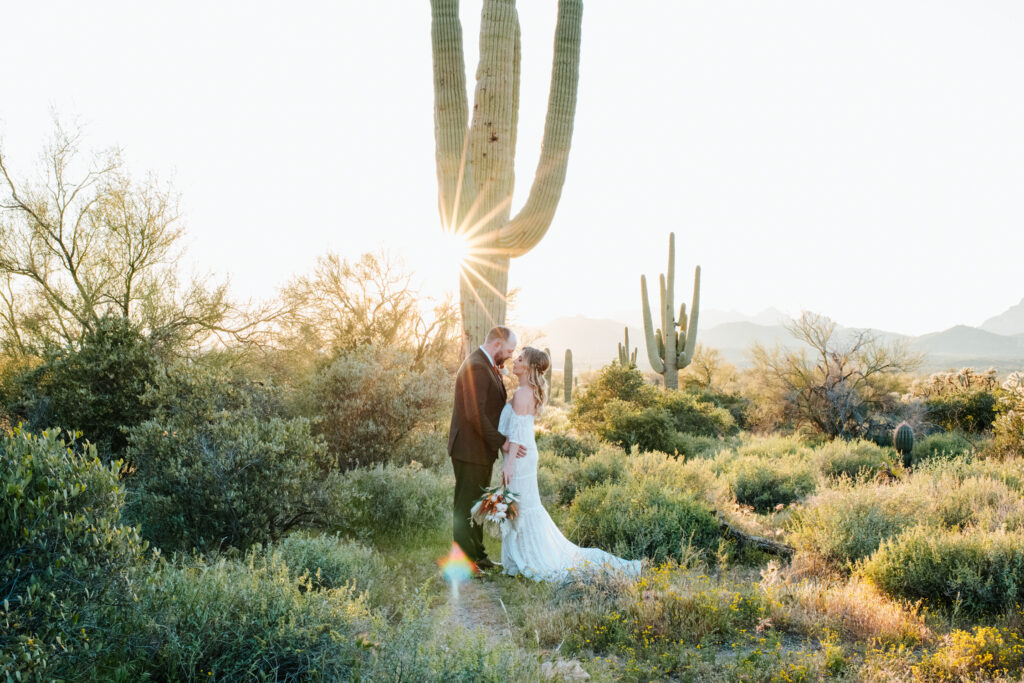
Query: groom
{"type": "Point", "coordinates": [473, 439]}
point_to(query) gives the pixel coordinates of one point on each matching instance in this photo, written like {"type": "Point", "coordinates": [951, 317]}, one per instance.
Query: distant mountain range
{"type": "Point", "coordinates": [999, 342]}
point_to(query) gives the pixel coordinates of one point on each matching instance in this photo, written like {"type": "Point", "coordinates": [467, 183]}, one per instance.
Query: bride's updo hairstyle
{"type": "Point", "coordinates": [538, 363]}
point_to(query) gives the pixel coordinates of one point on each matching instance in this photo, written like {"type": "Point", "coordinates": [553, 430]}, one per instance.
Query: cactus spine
{"type": "Point", "coordinates": [626, 359]}
{"type": "Point", "coordinates": [667, 350]}
{"type": "Point", "coordinates": [475, 157]}
{"type": "Point", "coordinates": [567, 375]}
{"type": "Point", "coordinates": [903, 440]}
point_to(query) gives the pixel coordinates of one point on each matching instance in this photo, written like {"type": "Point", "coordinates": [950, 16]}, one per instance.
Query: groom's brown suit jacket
{"type": "Point", "coordinates": [479, 398]}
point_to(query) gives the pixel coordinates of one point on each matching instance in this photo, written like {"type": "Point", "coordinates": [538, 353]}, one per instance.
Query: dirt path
{"type": "Point", "coordinates": [478, 606]}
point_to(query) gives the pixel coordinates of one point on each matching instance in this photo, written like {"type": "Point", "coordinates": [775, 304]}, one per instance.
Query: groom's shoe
{"type": "Point", "coordinates": [486, 563]}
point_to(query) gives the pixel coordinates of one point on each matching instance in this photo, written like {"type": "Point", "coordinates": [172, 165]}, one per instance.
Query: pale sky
{"type": "Point", "coordinates": [861, 159]}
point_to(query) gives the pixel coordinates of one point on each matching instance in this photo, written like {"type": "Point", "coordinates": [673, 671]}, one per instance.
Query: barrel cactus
{"type": "Point", "coordinates": [903, 440]}
{"type": "Point", "coordinates": [668, 351]}
{"type": "Point", "coordinates": [567, 375]}
{"type": "Point", "coordinates": [476, 148]}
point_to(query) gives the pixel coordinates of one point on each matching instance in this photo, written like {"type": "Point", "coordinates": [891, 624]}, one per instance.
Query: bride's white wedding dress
{"type": "Point", "coordinates": [533, 546]}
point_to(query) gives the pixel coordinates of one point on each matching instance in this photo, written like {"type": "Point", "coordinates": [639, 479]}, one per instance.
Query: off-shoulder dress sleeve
{"type": "Point", "coordinates": [518, 428]}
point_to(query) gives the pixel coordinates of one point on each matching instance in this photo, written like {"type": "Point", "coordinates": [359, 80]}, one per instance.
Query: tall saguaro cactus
{"type": "Point", "coordinates": [668, 351]}
{"type": "Point", "coordinates": [475, 156]}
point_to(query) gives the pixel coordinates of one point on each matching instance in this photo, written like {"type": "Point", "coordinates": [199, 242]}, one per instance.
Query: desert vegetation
{"type": "Point", "coordinates": [195, 488]}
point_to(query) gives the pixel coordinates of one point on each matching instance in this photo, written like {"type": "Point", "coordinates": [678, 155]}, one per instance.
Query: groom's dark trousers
{"type": "Point", "coordinates": [473, 444]}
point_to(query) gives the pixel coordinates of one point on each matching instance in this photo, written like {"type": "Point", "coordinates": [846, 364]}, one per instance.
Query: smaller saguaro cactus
{"type": "Point", "coordinates": [547, 373]}
{"type": "Point", "coordinates": [670, 349]}
{"type": "Point", "coordinates": [903, 440]}
{"type": "Point", "coordinates": [626, 358]}
{"type": "Point", "coordinates": [567, 375]}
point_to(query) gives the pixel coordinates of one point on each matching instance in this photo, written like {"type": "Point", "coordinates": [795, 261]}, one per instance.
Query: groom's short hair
{"type": "Point", "coordinates": [500, 332]}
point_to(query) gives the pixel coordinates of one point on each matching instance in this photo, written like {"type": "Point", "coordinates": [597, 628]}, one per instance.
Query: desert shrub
{"type": "Point", "coordinates": [764, 484]}
{"type": "Point", "coordinates": [773, 447]}
{"type": "Point", "coordinates": [374, 502]}
{"type": "Point", "coordinates": [858, 458]}
{"type": "Point", "coordinates": [943, 445]}
{"type": "Point", "coordinates": [641, 520]}
{"type": "Point", "coordinates": [368, 400]}
{"type": "Point", "coordinates": [607, 465]}
{"type": "Point", "coordinates": [977, 572]}
{"type": "Point", "coordinates": [694, 416]}
{"type": "Point", "coordinates": [613, 383]}
{"type": "Point", "coordinates": [983, 653]}
{"type": "Point", "coordinates": [648, 429]}
{"type": "Point", "coordinates": [567, 445]}
{"type": "Point", "coordinates": [1008, 428]}
{"type": "Point", "coordinates": [691, 446]}
{"type": "Point", "coordinates": [95, 388]}
{"type": "Point", "coordinates": [972, 412]}
{"type": "Point", "coordinates": [331, 562]}
{"type": "Point", "coordinates": [66, 560]}
{"type": "Point", "coordinates": [736, 404]}
{"type": "Point", "coordinates": [252, 620]}
{"type": "Point", "coordinates": [425, 445]}
{"type": "Point", "coordinates": [977, 501]}
{"type": "Point", "coordinates": [229, 480]}
{"type": "Point", "coordinates": [693, 476]}
{"type": "Point", "coordinates": [847, 524]}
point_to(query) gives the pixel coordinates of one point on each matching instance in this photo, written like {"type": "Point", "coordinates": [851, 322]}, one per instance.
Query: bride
{"type": "Point", "coordinates": [533, 546]}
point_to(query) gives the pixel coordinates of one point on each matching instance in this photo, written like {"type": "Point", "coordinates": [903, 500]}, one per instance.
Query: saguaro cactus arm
{"type": "Point", "coordinates": [652, 343]}
{"type": "Point", "coordinates": [690, 325]}
{"type": "Point", "coordinates": [451, 105]}
{"type": "Point", "coordinates": [527, 228]}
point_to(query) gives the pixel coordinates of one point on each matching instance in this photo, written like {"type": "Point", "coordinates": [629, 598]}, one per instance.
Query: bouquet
{"type": "Point", "coordinates": [498, 505]}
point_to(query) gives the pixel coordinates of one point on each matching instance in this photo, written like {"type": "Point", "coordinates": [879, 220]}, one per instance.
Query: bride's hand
{"type": "Point", "coordinates": [506, 474]}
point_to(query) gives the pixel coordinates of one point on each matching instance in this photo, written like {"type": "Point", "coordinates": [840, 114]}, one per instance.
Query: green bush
{"type": "Point", "coordinates": [693, 476]}
{"type": "Point", "coordinates": [640, 520]}
{"type": "Point", "coordinates": [852, 459]}
{"type": "Point", "coordinates": [383, 501]}
{"type": "Point", "coordinates": [648, 429]}
{"type": "Point", "coordinates": [607, 465]}
{"type": "Point", "coordinates": [736, 404]}
{"type": "Point", "coordinates": [848, 524]}
{"type": "Point", "coordinates": [65, 558]}
{"type": "Point", "coordinates": [368, 401]}
{"type": "Point", "coordinates": [692, 446]}
{"type": "Point", "coordinates": [968, 411]}
{"type": "Point", "coordinates": [566, 445]}
{"type": "Point", "coordinates": [978, 572]}
{"type": "Point", "coordinates": [693, 416]}
{"type": "Point", "coordinates": [95, 388]}
{"type": "Point", "coordinates": [764, 484]}
{"type": "Point", "coordinates": [943, 445]}
{"type": "Point", "coordinates": [228, 620]}
{"type": "Point", "coordinates": [230, 480]}
{"type": "Point", "coordinates": [614, 383]}
{"type": "Point", "coordinates": [332, 562]}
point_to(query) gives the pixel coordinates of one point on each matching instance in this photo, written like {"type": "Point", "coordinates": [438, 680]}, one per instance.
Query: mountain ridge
{"type": "Point", "coordinates": [594, 341]}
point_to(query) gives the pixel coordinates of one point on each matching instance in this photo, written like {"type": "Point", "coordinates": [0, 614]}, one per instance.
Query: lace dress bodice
{"type": "Point", "coordinates": [534, 546]}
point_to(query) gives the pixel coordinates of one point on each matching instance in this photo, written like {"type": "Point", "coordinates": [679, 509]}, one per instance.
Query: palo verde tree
{"type": "Point", "coordinates": [85, 242]}
{"type": "Point", "coordinates": [475, 156]}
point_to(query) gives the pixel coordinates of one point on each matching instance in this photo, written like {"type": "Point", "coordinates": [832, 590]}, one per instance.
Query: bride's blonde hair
{"type": "Point", "coordinates": [537, 363]}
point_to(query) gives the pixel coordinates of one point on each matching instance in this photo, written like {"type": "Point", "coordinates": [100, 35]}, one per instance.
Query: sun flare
{"type": "Point", "coordinates": [453, 251]}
